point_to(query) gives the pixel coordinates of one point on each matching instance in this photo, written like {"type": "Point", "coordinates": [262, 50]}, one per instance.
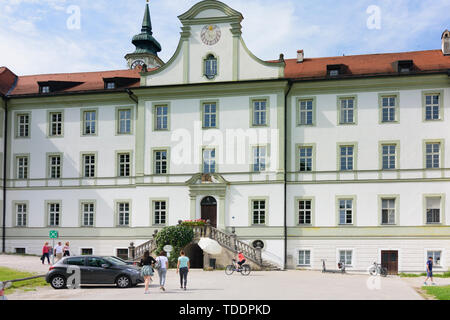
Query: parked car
{"type": "Point", "coordinates": [95, 270]}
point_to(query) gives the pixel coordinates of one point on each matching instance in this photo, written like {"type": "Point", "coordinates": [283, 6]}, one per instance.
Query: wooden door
{"type": "Point", "coordinates": [209, 210]}
{"type": "Point", "coordinates": [389, 260]}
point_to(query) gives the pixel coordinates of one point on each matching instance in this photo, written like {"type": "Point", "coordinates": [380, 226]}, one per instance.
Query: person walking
{"type": "Point", "coordinates": [45, 253]}
{"type": "Point", "coordinates": [147, 271]}
{"type": "Point", "coordinates": [430, 271]}
{"type": "Point", "coordinates": [183, 269]}
{"type": "Point", "coordinates": [163, 264]}
{"type": "Point", "coordinates": [66, 250]}
{"type": "Point", "coordinates": [59, 251]}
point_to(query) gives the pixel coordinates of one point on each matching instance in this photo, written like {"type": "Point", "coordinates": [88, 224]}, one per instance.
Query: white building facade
{"type": "Point", "coordinates": [317, 159]}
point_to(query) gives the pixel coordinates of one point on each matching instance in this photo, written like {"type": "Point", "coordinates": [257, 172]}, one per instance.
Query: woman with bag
{"type": "Point", "coordinates": [45, 253]}
{"type": "Point", "coordinates": [162, 265]}
{"type": "Point", "coordinates": [147, 270]}
{"type": "Point", "coordinates": [66, 250]}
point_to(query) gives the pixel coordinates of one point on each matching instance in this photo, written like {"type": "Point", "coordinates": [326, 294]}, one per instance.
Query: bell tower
{"type": "Point", "coordinates": [147, 47]}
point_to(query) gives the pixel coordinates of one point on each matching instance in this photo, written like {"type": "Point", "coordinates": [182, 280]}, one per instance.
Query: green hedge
{"type": "Point", "coordinates": [178, 237]}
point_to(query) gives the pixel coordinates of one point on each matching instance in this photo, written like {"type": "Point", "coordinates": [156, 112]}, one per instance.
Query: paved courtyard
{"type": "Point", "coordinates": [279, 285]}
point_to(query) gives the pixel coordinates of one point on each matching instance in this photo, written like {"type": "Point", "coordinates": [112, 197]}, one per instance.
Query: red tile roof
{"type": "Point", "coordinates": [7, 80]}
{"type": "Point", "coordinates": [370, 64]}
{"type": "Point", "coordinates": [90, 80]}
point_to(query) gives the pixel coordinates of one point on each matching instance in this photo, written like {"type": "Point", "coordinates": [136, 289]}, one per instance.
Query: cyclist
{"type": "Point", "coordinates": [241, 260]}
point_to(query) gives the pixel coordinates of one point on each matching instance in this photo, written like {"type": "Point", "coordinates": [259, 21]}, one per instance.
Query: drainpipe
{"type": "Point", "coordinates": [5, 150]}
{"type": "Point", "coordinates": [290, 83]}
{"type": "Point", "coordinates": [132, 96]}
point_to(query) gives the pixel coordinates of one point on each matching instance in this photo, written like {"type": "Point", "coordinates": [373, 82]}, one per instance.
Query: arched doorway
{"type": "Point", "coordinates": [195, 254]}
{"type": "Point", "coordinates": [209, 210]}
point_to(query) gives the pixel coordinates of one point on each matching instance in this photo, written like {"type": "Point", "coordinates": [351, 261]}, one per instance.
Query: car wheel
{"type": "Point", "coordinates": [58, 282]}
{"type": "Point", "coordinates": [123, 281]}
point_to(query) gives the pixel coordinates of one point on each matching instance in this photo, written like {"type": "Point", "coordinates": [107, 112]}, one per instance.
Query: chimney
{"type": "Point", "coordinates": [446, 43]}
{"type": "Point", "coordinates": [300, 56]}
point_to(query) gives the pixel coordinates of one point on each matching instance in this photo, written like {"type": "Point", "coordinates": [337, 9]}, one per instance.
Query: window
{"type": "Point", "coordinates": [436, 255]}
{"type": "Point", "coordinates": [88, 211]}
{"type": "Point", "coordinates": [110, 85]}
{"type": "Point", "coordinates": [78, 261]}
{"type": "Point", "coordinates": [45, 89]}
{"type": "Point", "coordinates": [22, 167]}
{"type": "Point", "coordinates": [123, 210]}
{"type": "Point", "coordinates": [432, 155]}
{"type": "Point", "coordinates": [345, 257]}
{"type": "Point", "coordinates": [345, 211]}
{"type": "Point", "coordinates": [304, 258]}
{"type": "Point", "coordinates": [209, 115]}
{"type": "Point", "coordinates": [259, 159]}
{"type": "Point", "coordinates": [56, 124]}
{"type": "Point", "coordinates": [54, 166]}
{"type": "Point", "coordinates": [347, 111]}
{"type": "Point", "coordinates": [96, 262]}
{"type": "Point", "coordinates": [159, 212]}
{"type": "Point", "coordinates": [388, 211]}
{"type": "Point", "coordinates": [306, 112]}
{"type": "Point", "coordinates": [160, 162]}
{"type": "Point", "coordinates": [89, 123]}
{"type": "Point", "coordinates": [162, 117]}
{"type": "Point", "coordinates": [432, 107]}
{"type": "Point", "coordinates": [305, 212]}
{"type": "Point", "coordinates": [388, 109]}
{"type": "Point", "coordinates": [124, 121]}
{"type": "Point", "coordinates": [20, 250]}
{"type": "Point", "coordinates": [86, 252]}
{"type": "Point", "coordinates": [124, 164]}
{"type": "Point", "coordinates": [259, 212]}
{"type": "Point", "coordinates": [433, 210]}
{"type": "Point", "coordinates": [389, 157]}
{"type": "Point", "coordinates": [260, 113]}
{"type": "Point", "coordinates": [54, 214]}
{"type": "Point", "coordinates": [23, 125]}
{"type": "Point", "coordinates": [306, 159]}
{"type": "Point", "coordinates": [209, 161]}
{"type": "Point", "coordinates": [21, 215]}
{"type": "Point", "coordinates": [122, 254]}
{"type": "Point", "coordinates": [89, 165]}
{"type": "Point", "coordinates": [210, 67]}
{"type": "Point", "coordinates": [346, 158]}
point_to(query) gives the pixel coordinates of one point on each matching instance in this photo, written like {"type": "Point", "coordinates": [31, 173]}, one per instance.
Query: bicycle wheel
{"type": "Point", "coordinates": [384, 272]}
{"type": "Point", "coordinates": [229, 270]}
{"type": "Point", "coordinates": [245, 270]}
{"type": "Point", "coordinates": [373, 271]}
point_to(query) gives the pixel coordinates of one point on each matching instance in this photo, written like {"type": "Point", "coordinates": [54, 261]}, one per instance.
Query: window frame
{"type": "Point", "coordinates": [154, 161]}
{"type": "Point", "coordinates": [202, 167]}
{"type": "Point", "coordinates": [153, 202]}
{"type": "Point", "coordinates": [82, 212]}
{"type": "Point", "coordinates": [441, 153]}
{"type": "Point", "coordinates": [442, 260]}
{"type": "Point", "coordinates": [266, 158]}
{"type": "Point", "coordinates": [50, 124]}
{"type": "Point", "coordinates": [204, 59]}
{"type": "Point", "coordinates": [440, 93]}
{"type": "Point", "coordinates": [442, 220]}
{"type": "Point", "coordinates": [17, 124]}
{"type": "Point", "coordinates": [252, 111]}
{"type": "Point", "coordinates": [48, 203]}
{"type": "Point", "coordinates": [83, 122]}
{"type": "Point", "coordinates": [346, 250]}
{"type": "Point", "coordinates": [395, 197]}
{"type": "Point", "coordinates": [15, 205]}
{"type": "Point", "coordinates": [251, 200]}
{"type": "Point", "coordinates": [298, 158]}
{"type": "Point", "coordinates": [83, 165]}
{"type": "Point", "coordinates": [383, 95]}
{"type": "Point", "coordinates": [117, 171]}
{"type": "Point", "coordinates": [304, 265]}
{"type": "Point", "coordinates": [381, 145]}
{"type": "Point", "coordinates": [202, 113]}
{"type": "Point", "coordinates": [49, 165]}
{"type": "Point", "coordinates": [354, 210]}
{"type": "Point", "coordinates": [132, 119]}
{"type": "Point", "coordinates": [297, 211]}
{"type": "Point", "coordinates": [17, 167]}
{"type": "Point", "coordinates": [313, 111]}
{"type": "Point", "coordinates": [117, 213]}
{"type": "Point", "coordinates": [355, 156]}
{"type": "Point", "coordinates": [355, 110]}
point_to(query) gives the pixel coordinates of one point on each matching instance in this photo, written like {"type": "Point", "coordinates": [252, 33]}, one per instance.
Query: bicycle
{"type": "Point", "coordinates": [244, 270]}
{"type": "Point", "coordinates": [378, 269]}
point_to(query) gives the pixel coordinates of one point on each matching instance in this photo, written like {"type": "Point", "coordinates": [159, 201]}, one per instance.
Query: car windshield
{"type": "Point", "coordinates": [115, 261]}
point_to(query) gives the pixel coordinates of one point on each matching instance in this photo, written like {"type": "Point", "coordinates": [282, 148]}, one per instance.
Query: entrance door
{"type": "Point", "coordinates": [209, 210]}
{"type": "Point", "coordinates": [389, 260]}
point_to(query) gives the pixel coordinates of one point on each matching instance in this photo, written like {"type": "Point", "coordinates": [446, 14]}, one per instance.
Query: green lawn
{"type": "Point", "coordinates": [11, 274]}
{"type": "Point", "coordinates": [416, 275]}
{"type": "Point", "coordinates": [440, 293]}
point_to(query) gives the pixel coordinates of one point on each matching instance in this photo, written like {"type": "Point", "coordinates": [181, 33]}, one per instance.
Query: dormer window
{"type": "Point", "coordinates": [45, 89]}
{"type": "Point", "coordinates": [334, 73]}
{"type": "Point", "coordinates": [210, 67]}
{"type": "Point", "coordinates": [110, 85]}
{"type": "Point", "coordinates": [405, 66]}
{"type": "Point", "coordinates": [335, 70]}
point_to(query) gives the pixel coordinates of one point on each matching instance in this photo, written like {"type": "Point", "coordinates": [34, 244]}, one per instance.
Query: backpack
{"type": "Point", "coordinates": [158, 264]}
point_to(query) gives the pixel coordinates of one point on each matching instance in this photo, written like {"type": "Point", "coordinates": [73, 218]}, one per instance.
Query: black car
{"type": "Point", "coordinates": [94, 270]}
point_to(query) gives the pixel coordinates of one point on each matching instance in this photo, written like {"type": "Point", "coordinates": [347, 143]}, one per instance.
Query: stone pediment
{"type": "Point", "coordinates": [207, 179]}
{"type": "Point", "coordinates": [210, 9]}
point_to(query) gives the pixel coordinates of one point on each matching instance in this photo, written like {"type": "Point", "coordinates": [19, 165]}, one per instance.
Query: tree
{"type": "Point", "coordinates": [178, 237]}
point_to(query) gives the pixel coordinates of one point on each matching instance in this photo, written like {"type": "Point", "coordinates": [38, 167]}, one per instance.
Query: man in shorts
{"type": "Point", "coordinates": [430, 271]}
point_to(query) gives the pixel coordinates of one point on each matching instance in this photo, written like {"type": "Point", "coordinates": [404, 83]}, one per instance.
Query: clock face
{"type": "Point", "coordinates": [210, 34]}
{"type": "Point", "coordinates": [137, 63]}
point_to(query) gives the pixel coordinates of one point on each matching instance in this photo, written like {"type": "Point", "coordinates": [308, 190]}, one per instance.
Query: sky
{"type": "Point", "coordinates": [57, 36]}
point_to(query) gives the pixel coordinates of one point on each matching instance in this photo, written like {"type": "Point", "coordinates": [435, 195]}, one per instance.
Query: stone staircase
{"type": "Point", "coordinates": [228, 241]}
